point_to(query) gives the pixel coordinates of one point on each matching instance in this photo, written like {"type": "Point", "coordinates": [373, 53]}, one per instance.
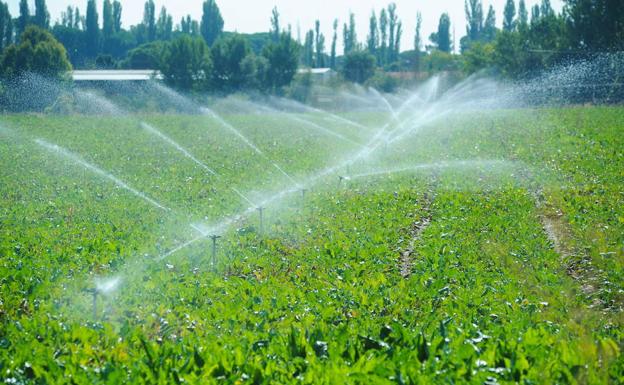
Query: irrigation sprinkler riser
{"type": "Point", "coordinates": [214, 251]}
{"type": "Point", "coordinates": [261, 214]}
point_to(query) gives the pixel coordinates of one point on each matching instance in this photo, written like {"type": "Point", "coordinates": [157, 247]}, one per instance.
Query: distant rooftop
{"type": "Point", "coordinates": [316, 71]}
{"type": "Point", "coordinates": [116, 75]}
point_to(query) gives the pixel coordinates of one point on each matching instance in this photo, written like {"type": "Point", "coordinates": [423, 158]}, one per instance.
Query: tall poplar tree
{"type": "Point", "coordinates": [42, 16]}
{"type": "Point", "coordinates": [92, 29]}
{"type": "Point", "coordinates": [212, 22]}
{"type": "Point", "coordinates": [509, 14]}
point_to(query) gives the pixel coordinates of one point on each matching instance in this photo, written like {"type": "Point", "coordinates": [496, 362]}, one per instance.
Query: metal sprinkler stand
{"type": "Point", "coordinates": [303, 193]}
{"type": "Point", "coordinates": [94, 292]}
{"type": "Point", "coordinates": [214, 250]}
{"type": "Point", "coordinates": [340, 179]}
{"type": "Point", "coordinates": [261, 212]}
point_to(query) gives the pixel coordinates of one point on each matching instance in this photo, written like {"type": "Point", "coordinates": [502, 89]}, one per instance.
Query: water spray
{"type": "Point", "coordinates": [173, 143]}
{"type": "Point", "coordinates": [76, 159]}
{"type": "Point", "coordinates": [247, 141]}
{"type": "Point", "coordinates": [381, 138]}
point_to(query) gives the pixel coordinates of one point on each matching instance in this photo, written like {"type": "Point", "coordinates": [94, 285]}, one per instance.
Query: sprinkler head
{"type": "Point", "coordinates": [94, 292]}
{"type": "Point", "coordinates": [261, 213]}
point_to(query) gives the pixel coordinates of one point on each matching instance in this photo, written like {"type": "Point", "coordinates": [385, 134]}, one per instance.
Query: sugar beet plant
{"type": "Point", "coordinates": [481, 247]}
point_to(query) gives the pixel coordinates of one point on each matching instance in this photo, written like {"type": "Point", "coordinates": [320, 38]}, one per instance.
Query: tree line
{"type": "Point", "coordinates": [199, 54]}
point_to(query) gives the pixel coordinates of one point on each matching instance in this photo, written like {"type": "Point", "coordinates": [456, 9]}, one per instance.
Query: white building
{"type": "Point", "coordinates": [115, 75]}
{"type": "Point", "coordinates": [318, 73]}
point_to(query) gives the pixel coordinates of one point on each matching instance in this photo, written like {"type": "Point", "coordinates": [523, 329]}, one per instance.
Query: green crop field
{"type": "Point", "coordinates": [487, 247]}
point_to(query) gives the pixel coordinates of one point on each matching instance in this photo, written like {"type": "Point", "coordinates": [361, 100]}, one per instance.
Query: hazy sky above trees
{"type": "Point", "coordinates": [254, 15]}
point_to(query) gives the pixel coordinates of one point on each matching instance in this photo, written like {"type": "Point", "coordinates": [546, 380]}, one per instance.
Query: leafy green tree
{"type": "Point", "coordinates": [358, 67]}
{"type": "Point", "coordinates": [319, 43]}
{"type": "Point", "coordinates": [332, 58]}
{"type": "Point", "coordinates": [535, 14]}
{"type": "Point", "coordinates": [275, 25]}
{"type": "Point", "coordinates": [595, 24]}
{"type": "Point", "coordinates": [79, 21]}
{"type": "Point", "coordinates": [548, 34]}
{"type": "Point", "coordinates": [282, 62]}
{"type": "Point", "coordinates": [530, 50]}
{"type": "Point", "coordinates": [394, 34]}
{"type": "Point", "coordinates": [392, 20]}
{"type": "Point", "coordinates": [441, 61]}
{"type": "Point", "coordinates": [195, 29]}
{"type": "Point", "coordinates": [489, 27]}
{"type": "Point", "coordinates": [67, 17]}
{"type": "Point", "coordinates": [74, 41]}
{"type": "Point", "coordinates": [546, 9]}
{"type": "Point", "coordinates": [349, 35]}
{"type": "Point", "coordinates": [117, 16]}
{"type": "Point", "coordinates": [24, 18]}
{"type": "Point", "coordinates": [308, 49]}
{"type": "Point", "coordinates": [382, 53]}
{"type": "Point", "coordinates": [523, 16]}
{"type": "Point", "coordinates": [417, 33]}
{"type": "Point", "coordinates": [479, 56]}
{"type": "Point", "coordinates": [37, 52]}
{"type": "Point", "coordinates": [6, 26]}
{"type": "Point", "coordinates": [255, 69]}
{"type": "Point", "coordinates": [145, 56]}
{"type": "Point", "coordinates": [164, 26]}
{"type": "Point", "coordinates": [417, 42]}
{"type": "Point", "coordinates": [397, 42]}
{"type": "Point", "coordinates": [211, 23]}
{"type": "Point", "coordinates": [509, 54]}
{"type": "Point", "coordinates": [509, 20]}
{"type": "Point", "coordinates": [120, 43]}
{"type": "Point", "coordinates": [107, 22]}
{"type": "Point", "coordinates": [105, 61]}
{"type": "Point", "coordinates": [474, 19]}
{"type": "Point", "coordinates": [186, 63]}
{"type": "Point", "coordinates": [372, 41]}
{"type": "Point", "coordinates": [93, 30]}
{"type": "Point", "coordinates": [442, 38]}
{"type": "Point", "coordinates": [149, 20]}
{"type": "Point", "coordinates": [42, 16]}
{"type": "Point", "coordinates": [185, 24]}
{"type": "Point", "coordinates": [228, 54]}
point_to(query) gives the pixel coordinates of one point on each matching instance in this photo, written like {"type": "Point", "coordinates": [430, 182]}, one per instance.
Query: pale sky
{"type": "Point", "coordinates": [254, 15]}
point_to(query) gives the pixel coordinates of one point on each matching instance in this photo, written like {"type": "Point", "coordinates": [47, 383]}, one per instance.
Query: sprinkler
{"type": "Point", "coordinates": [94, 292]}
{"type": "Point", "coordinates": [303, 193]}
{"type": "Point", "coordinates": [261, 212]}
{"type": "Point", "coordinates": [340, 179]}
{"type": "Point", "coordinates": [214, 250]}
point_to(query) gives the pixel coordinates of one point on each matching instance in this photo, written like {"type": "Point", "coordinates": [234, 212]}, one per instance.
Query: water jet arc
{"type": "Point", "coordinates": [96, 170]}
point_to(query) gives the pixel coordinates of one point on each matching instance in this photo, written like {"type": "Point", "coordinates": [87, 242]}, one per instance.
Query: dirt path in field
{"type": "Point", "coordinates": [418, 228]}
{"type": "Point", "coordinates": [577, 264]}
